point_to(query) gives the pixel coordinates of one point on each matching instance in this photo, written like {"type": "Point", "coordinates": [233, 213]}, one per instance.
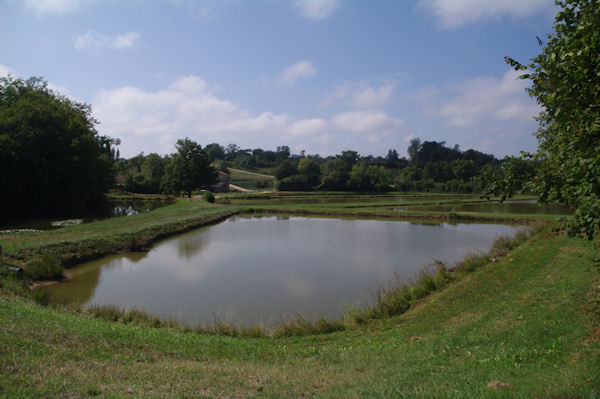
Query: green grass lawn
{"type": "Point", "coordinates": [526, 325]}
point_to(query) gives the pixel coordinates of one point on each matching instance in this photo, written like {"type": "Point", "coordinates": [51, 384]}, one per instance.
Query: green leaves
{"type": "Point", "coordinates": [52, 160]}
{"type": "Point", "coordinates": [566, 82]}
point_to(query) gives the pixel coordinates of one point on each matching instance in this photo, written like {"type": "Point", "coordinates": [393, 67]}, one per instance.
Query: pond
{"type": "Point", "coordinates": [530, 207]}
{"type": "Point", "coordinates": [260, 270]}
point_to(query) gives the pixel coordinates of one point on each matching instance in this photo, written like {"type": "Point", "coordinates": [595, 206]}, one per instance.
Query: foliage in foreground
{"type": "Point", "coordinates": [566, 81]}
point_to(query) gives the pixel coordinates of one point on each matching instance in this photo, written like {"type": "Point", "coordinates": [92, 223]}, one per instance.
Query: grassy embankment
{"type": "Point", "coordinates": [73, 244]}
{"type": "Point", "coordinates": [525, 326]}
{"type": "Point", "coordinates": [382, 206]}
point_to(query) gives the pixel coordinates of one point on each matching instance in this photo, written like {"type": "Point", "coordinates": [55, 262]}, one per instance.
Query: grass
{"type": "Point", "coordinates": [43, 267]}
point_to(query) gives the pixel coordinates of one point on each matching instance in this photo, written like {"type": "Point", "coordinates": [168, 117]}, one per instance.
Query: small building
{"type": "Point", "coordinates": [222, 184]}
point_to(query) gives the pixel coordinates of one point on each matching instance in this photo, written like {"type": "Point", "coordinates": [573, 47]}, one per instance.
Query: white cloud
{"type": "Point", "coordinates": [151, 121]}
{"type": "Point", "coordinates": [96, 43]}
{"type": "Point", "coordinates": [145, 120]}
{"type": "Point", "coordinates": [5, 71]}
{"type": "Point", "coordinates": [307, 127]}
{"type": "Point", "coordinates": [362, 94]}
{"type": "Point", "coordinates": [316, 9]}
{"type": "Point", "coordinates": [366, 122]}
{"type": "Point", "coordinates": [43, 7]}
{"type": "Point", "coordinates": [484, 99]}
{"type": "Point", "coordinates": [455, 13]}
{"type": "Point", "coordinates": [300, 70]}
{"type": "Point", "coordinates": [126, 40]}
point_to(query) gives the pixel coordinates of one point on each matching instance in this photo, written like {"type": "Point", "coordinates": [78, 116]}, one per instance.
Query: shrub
{"type": "Point", "coordinates": [294, 183]}
{"type": "Point", "coordinates": [43, 267]}
{"type": "Point", "coordinates": [208, 197]}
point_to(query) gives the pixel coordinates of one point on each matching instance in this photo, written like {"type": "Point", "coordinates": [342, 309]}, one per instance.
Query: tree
{"type": "Point", "coordinates": [392, 159]}
{"type": "Point", "coordinates": [509, 179]}
{"type": "Point", "coordinates": [285, 169]}
{"type": "Point", "coordinates": [463, 169]}
{"type": "Point", "coordinates": [335, 174]}
{"type": "Point", "coordinates": [350, 158]}
{"type": "Point", "coordinates": [311, 170]}
{"type": "Point", "coordinates": [565, 82]}
{"type": "Point", "coordinates": [283, 152]}
{"type": "Point", "coordinates": [189, 169]}
{"type": "Point", "coordinates": [214, 151]}
{"type": "Point", "coordinates": [413, 149]}
{"type": "Point", "coordinates": [52, 159]}
{"type": "Point", "coordinates": [369, 178]}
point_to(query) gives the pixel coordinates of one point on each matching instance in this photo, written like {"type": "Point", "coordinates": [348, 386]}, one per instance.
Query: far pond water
{"type": "Point", "coordinates": [252, 270]}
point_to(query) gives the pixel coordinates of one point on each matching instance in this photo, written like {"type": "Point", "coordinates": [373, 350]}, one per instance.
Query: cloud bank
{"type": "Point", "coordinates": [362, 94]}
{"type": "Point", "coordinates": [316, 9]}
{"type": "Point", "coordinates": [481, 100]}
{"type": "Point", "coordinates": [95, 43]}
{"type": "Point", "coordinates": [456, 13]}
{"type": "Point", "coordinates": [57, 7]}
{"type": "Point", "coordinates": [152, 121]}
{"type": "Point", "coordinates": [300, 70]}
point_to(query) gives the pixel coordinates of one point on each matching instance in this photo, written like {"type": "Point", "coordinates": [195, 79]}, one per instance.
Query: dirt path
{"type": "Point", "coordinates": [242, 189]}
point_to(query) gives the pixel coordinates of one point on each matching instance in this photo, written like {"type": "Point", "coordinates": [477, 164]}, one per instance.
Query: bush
{"type": "Point", "coordinates": [43, 267]}
{"type": "Point", "coordinates": [208, 197]}
{"type": "Point", "coordinates": [294, 183]}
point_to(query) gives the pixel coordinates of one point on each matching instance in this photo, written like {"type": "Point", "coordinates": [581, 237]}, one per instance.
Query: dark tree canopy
{"type": "Point", "coordinates": [52, 160]}
{"type": "Point", "coordinates": [189, 168]}
{"type": "Point", "coordinates": [566, 81]}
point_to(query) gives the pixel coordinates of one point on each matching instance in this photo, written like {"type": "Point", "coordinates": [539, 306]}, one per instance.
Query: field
{"type": "Point", "coordinates": [525, 324]}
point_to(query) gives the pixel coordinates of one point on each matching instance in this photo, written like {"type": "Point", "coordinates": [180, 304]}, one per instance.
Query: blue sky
{"type": "Point", "coordinates": [318, 75]}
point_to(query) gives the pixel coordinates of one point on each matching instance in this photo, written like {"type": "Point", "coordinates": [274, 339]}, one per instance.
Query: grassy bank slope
{"type": "Point", "coordinates": [75, 243]}
{"type": "Point", "coordinates": [527, 324]}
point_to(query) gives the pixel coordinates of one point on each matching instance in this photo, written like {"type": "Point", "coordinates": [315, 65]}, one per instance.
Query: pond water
{"type": "Point", "coordinates": [260, 270]}
{"type": "Point", "coordinates": [519, 207]}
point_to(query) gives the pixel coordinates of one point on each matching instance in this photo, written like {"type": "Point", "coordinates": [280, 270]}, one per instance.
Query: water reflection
{"type": "Point", "coordinates": [261, 269]}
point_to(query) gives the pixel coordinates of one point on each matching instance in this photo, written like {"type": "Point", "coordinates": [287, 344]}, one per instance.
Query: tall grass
{"type": "Point", "coordinates": [15, 285]}
{"type": "Point", "coordinates": [43, 267]}
{"type": "Point", "coordinates": [299, 326]}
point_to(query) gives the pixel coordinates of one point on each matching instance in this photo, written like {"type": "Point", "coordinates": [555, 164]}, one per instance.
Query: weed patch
{"type": "Point", "coordinates": [43, 267]}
